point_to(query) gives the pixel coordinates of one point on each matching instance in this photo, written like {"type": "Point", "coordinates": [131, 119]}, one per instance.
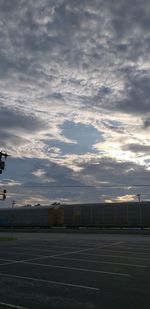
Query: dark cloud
{"type": "Point", "coordinates": [57, 181]}
{"type": "Point", "coordinates": [114, 172]}
{"type": "Point", "coordinates": [129, 16]}
{"type": "Point", "coordinates": [16, 127]}
{"type": "Point", "coordinates": [137, 148]}
{"type": "Point", "coordinates": [113, 125]}
{"type": "Point", "coordinates": [101, 173]}
{"type": "Point", "coordinates": [17, 121]}
{"type": "Point", "coordinates": [146, 124]}
{"type": "Point", "coordinates": [60, 182]}
{"type": "Point", "coordinates": [11, 139]}
{"type": "Point", "coordinates": [137, 96]}
{"type": "Point", "coordinates": [8, 6]}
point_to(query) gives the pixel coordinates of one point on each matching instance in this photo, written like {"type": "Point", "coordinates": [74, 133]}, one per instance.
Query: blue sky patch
{"type": "Point", "coordinates": [84, 136]}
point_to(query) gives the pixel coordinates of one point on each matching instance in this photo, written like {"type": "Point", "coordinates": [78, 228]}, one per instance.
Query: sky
{"type": "Point", "coordinates": [75, 100]}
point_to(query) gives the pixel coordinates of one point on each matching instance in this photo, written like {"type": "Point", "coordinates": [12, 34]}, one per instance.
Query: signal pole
{"type": "Point", "coordinates": [2, 167]}
{"type": "Point", "coordinates": [2, 162]}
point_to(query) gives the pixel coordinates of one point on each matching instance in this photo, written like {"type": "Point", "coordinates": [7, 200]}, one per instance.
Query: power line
{"type": "Point", "coordinates": [78, 186]}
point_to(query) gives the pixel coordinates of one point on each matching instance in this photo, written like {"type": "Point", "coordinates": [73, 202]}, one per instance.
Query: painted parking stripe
{"type": "Point", "coordinates": [73, 252]}
{"type": "Point", "coordinates": [9, 262]}
{"type": "Point", "coordinates": [136, 246]}
{"type": "Point", "coordinates": [12, 306]}
{"type": "Point", "coordinates": [138, 249]}
{"type": "Point", "coordinates": [20, 253]}
{"type": "Point", "coordinates": [59, 254]}
{"type": "Point", "coordinates": [102, 262]}
{"type": "Point", "coordinates": [79, 269]}
{"type": "Point", "coordinates": [126, 252]}
{"type": "Point", "coordinates": [51, 282]}
{"type": "Point", "coordinates": [34, 249]}
{"type": "Point", "coordinates": [44, 248]}
{"type": "Point", "coordinates": [116, 256]}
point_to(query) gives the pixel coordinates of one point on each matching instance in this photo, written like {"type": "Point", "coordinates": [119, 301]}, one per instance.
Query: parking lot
{"type": "Point", "coordinates": [74, 271]}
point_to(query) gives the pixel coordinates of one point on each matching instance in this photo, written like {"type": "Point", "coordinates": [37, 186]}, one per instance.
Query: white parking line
{"type": "Point", "coordinates": [102, 262]}
{"type": "Point", "coordinates": [20, 253]}
{"type": "Point", "coordinates": [51, 282]}
{"type": "Point", "coordinates": [128, 252]}
{"type": "Point", "coordinates": [117, 256]}
{"type": "Point", "coordinates": [74, 252]}
{"type": "Point", "coordinates": [12, 306]}
{"type": "Point", "coordinates": [42, 248]}
{"type": "Point", "coordinates": [136, 246]}
{"type": "Point", "coordinates": [76, 245]}
{"type": "Point", "coordinates": [10, 262]}
{"type": "Point", "coordinates": [138, 249]}
{"type": "Point", "coordinates": [36, 249]}
{"type": "Point", "coordinates": [60, 254]}
{"type": "Point", "coordinates": [7, 262]}
{"type": "Point", "coordinates": [79, 269]}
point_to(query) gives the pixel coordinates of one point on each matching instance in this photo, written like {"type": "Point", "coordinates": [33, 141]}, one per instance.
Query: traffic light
{"type": "Point", "coordinates": [4, 194]}
{"type": "Point", "coordinates": [2, 163]}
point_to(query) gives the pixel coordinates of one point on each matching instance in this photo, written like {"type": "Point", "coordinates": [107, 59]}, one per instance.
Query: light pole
{"type": "Point", "coordinates": [13, 204]}
{"type": "Point", "coordinates": [140, 208]}
{"type": "Point", "coordinates": [127, 216]}
{"type": "Point", "coordinates": [12, 218]}
{"type": "Point", "coordinates": [139, 197]}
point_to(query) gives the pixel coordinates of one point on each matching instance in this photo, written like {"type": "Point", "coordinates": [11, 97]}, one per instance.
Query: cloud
{"type": "Point", "coordinates": [137, 148]}
{"type": "Point", "coordinates": [96, 179]}
{"type": "Point", "coordinates": [18, 128]}
{"type": "Point", "coordinates": [18, 121]}
{"type": "Point", "coordinates": [129, 16]}
{"type": "Point", "coordinates": [75, 71]}
{"type": "Point", "coordinates": [146, 123]}
{"type": "Point", "coordinates": [137, 96]}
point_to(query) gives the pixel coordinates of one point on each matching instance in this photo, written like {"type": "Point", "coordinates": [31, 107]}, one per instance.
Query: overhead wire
{"type": "Point", "coordinates": [82, 186]}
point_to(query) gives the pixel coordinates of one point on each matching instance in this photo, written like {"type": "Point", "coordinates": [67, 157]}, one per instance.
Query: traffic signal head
{"type": "Point", "coordinates": [4, 194]}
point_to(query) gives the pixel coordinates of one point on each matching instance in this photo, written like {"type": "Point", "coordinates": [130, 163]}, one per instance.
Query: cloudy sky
{"type": "Point", "coordinates": [75, 100]}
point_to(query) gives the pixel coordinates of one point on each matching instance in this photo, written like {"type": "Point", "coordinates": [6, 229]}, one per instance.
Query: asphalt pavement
{"type": "Point", "coordinates": [75, 271]}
